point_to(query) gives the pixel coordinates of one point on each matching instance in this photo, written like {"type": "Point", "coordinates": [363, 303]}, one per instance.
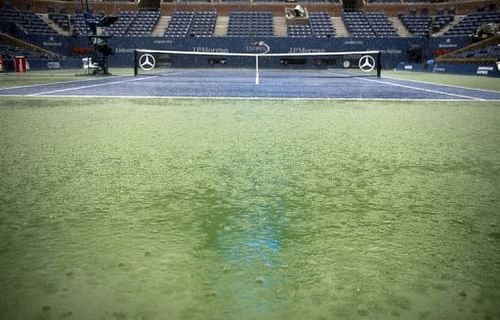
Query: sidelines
{"type": "Point", "coordinates": [93, 85]}
{"type": "Point", "coordinates": [443, 85]}
{"type": "Point", "coordinates": [424, 89]}
{"type": "Point", "coordinates": [81, 87]}
{"type": "Point", "coordinates": [135, 97]}
{"type": "Point", "coordinates": [45, 84]}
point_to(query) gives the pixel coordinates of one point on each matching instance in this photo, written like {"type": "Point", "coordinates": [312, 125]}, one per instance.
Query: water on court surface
{"type": "Point", "coordinates": [175, 209]}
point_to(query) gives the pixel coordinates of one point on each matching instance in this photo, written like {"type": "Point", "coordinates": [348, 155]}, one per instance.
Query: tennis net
{"type": "Point", "coordinates": [332, 64]}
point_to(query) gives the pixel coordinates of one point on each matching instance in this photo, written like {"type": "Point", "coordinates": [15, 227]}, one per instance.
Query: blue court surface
{"type": "Point", "coordinates": [241, 84]}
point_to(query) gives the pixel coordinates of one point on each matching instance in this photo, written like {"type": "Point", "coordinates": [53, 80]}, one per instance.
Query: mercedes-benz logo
{"type": "Point", "coordinates": [147, 62]}
{"type": "Point", "coordinates": [366, 63]}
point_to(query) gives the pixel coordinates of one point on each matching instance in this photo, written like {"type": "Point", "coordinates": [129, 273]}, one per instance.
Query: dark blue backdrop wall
{"type": "Point", "coordinates": [395, 50]}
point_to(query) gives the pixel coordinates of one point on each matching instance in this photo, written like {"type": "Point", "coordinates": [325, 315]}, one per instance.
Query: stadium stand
{"type": "Point", "coordinates": [62, 20]}
{"type": "Point", "coordinates": [79, 26]}
{"type": "Point", "coordinates": [321, 25]}
{"type": "Point", "coordinates": [381, 24]}
{"type": "Point", "coordinates": [120, 27]}
{"type": "Point", "coordinates": [299, 31]}
{"type": "Point", "coordinates": [179, 24]}
{"type": "Point", "coordinates": [418, 26]}
{"type": "Point", "coordinates": [193, 24]}
{"type": "Point", "coordinates": [370, 24]}
{"type": "Point", "coordinates": [27, 22]}
{"type": "Point", "coordinates": [440, 22]}
{"type": "Point", "coordinates": [357, 24]}
{"type": "Point", "coordinates": [134, 23]}
{"type": "Point", "coordinates": [471, 22]}
{"type": "Point", "coordinates": [250, 24]}
{"type": "Point", "coordinates": [203, 24]}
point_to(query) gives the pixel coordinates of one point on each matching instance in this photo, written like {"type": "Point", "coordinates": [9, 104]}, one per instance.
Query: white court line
{"type": "Point", "coordinates": [45, 84]}
{"type": "Point", "coordinates": [82, 87]}
{"type": "Point", "coordinates": [423, 89]}
{"type": "Point", "coordinates": [465, 97]}
{"type": "Point", "coordinates": [444, 85]}
{"type": "Point", "coordinates": [254, 98]}
{"type": "Point", "coordinates": [95, 85]}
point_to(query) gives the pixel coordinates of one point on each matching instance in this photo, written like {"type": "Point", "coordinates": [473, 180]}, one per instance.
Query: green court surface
{"type": "Point", "coordinates": [159, 209]}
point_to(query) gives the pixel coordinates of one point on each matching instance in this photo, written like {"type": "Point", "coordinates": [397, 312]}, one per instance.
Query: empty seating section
{"type": "Point", "coordinates": [469, 24]}
{"type": "Point", "coordinates": [28, 22]}
{"type": "Point", "coordinates": [419, 26]}
{"type": "Point", "coordinates": [179, 24]}
{"type": "Point", "coordinates": [120, 27]}
{"type": "Point", "coordinates": [203, 24]}
{"type": "Point", "coordinates": [80, 27]}
{"type": "Point", "coordinates": [250, 24]}
{"type": "Point", "coordinates": [193, 24]}
{"type": "Point", "coordinates": [321, 24]}
{"type": "Point", "coordinates": [299, 31]}
{"type": "Point", "coordinates": [62, 20]}
{"type": "Point", "coordinates": [255, 23]}
{"type": "Point", "coordinates": [143, 24]}
{"type": "Point", "coordinates": [134, 24]}
{"type": "Point", "coordinates": [370, 24]}
{"type": "Point", "coordinates": [357, 24]}
{"type": "Point", "coordinates": [129, 23]}
{"type": "Point", "coordinates": [381, 24]}
{"type": "Point", "coordinates": [440, 22]}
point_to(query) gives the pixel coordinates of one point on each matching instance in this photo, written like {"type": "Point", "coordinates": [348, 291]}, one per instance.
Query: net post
{"type": "Point", "coordinates": [379, 63]}
{"type": "Point", "coordinates": [256, 69]}
{"type": "Point", "coordinates": [135, 62]}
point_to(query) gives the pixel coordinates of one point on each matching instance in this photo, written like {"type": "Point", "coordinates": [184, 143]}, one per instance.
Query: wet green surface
{"type": "Point", "coordinates": [183, 209]}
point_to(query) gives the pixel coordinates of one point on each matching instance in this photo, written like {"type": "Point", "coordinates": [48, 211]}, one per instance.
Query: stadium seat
{"type": "Point", "coordinates": [27, 22]}
{"type": "Point", "coordinates": [321, 25]}
{"type": "Point", "coordinates": [470, 23]}
{"type": "Point", "coordinates": [192, 24]}
{"type": "Point", "coordinates": [250, 23]}
{"type": "Point", "coordinates": [134, 24]}
{"type": "Point", "coordinates": [62, 20]}
{"type": "Point", "coordinates": [370, 24]}
{"type": "Point", "coordinates": [419, 26]}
